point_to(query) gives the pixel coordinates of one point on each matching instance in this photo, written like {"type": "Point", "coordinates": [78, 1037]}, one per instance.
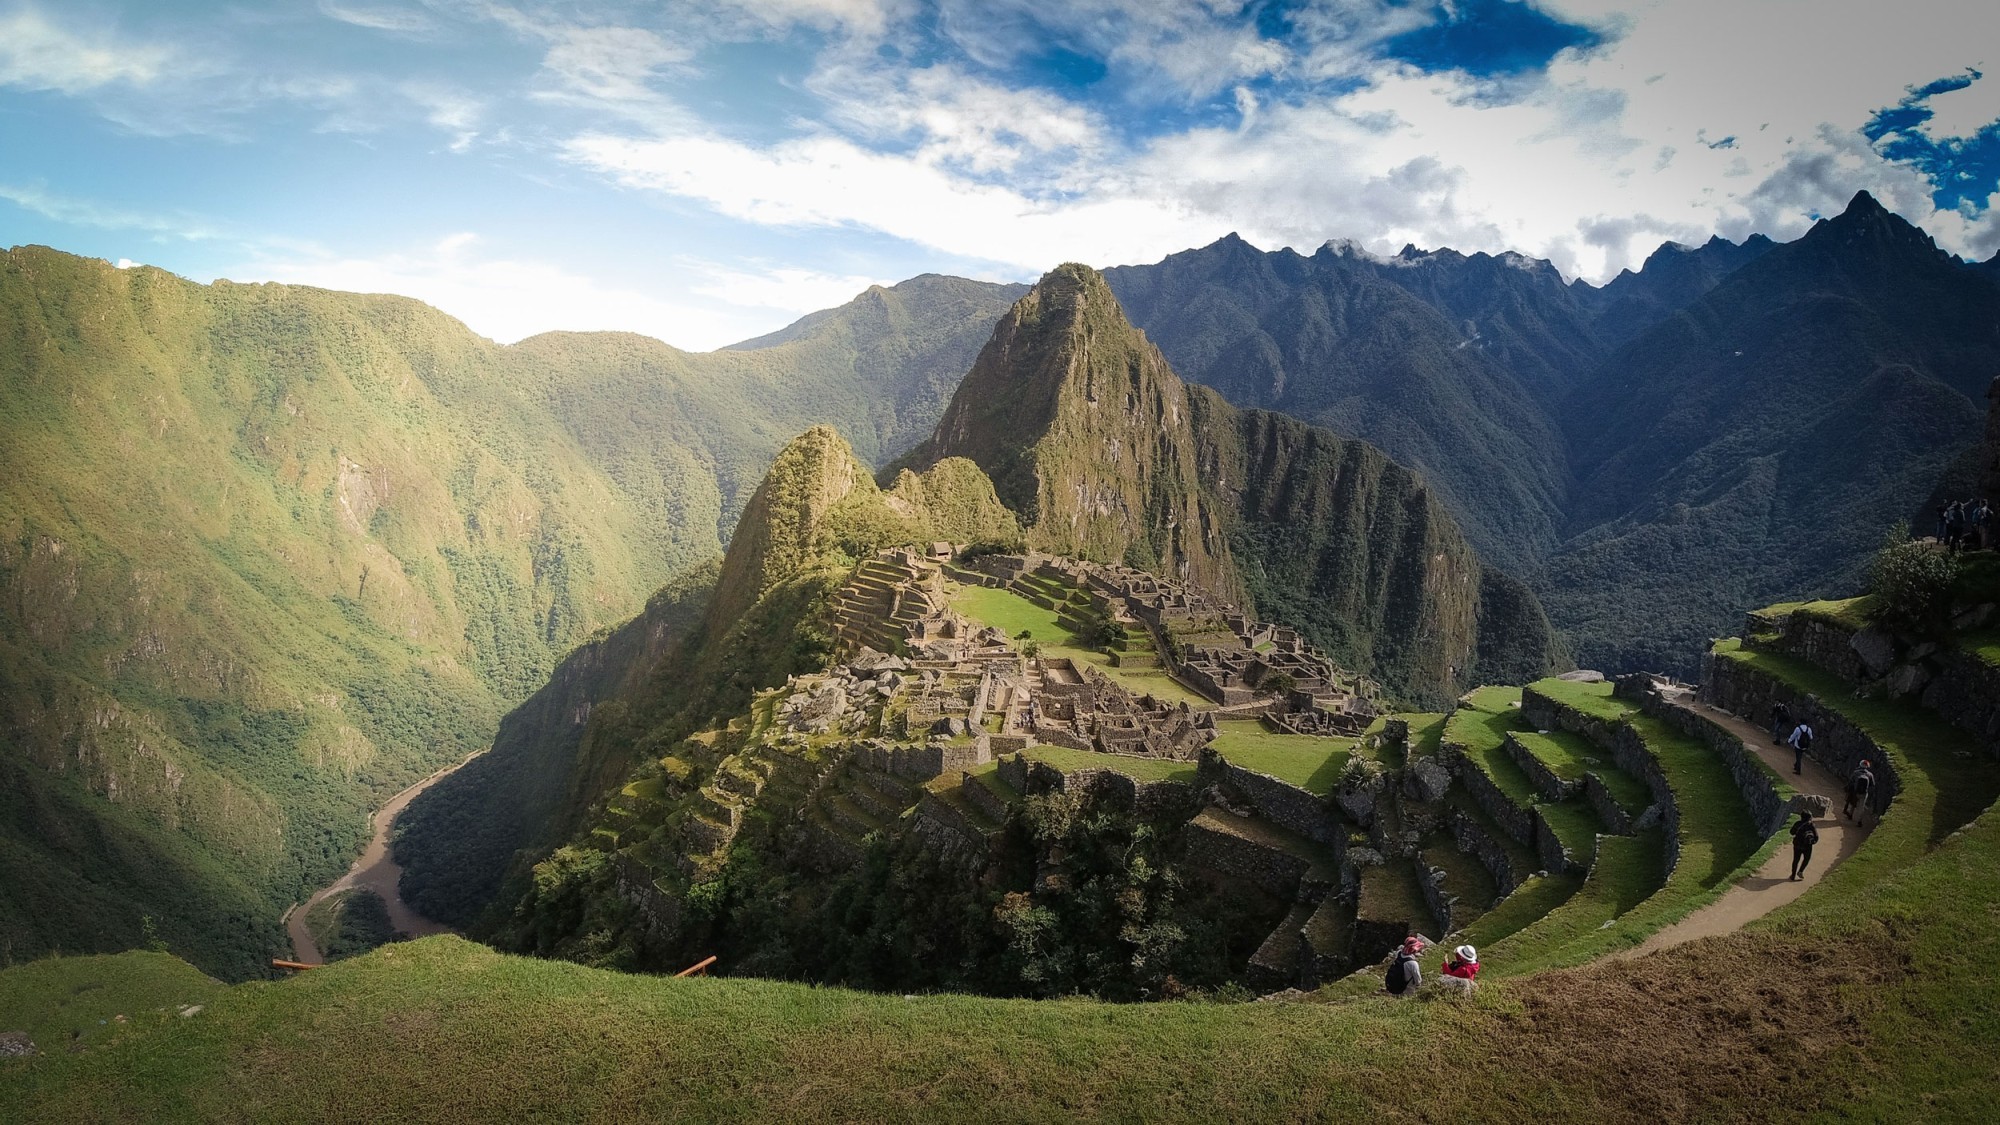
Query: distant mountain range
{"type": "Point", "coordinates": [1730, 425]}
{"type": "Point", "coordinates": [269, 553]}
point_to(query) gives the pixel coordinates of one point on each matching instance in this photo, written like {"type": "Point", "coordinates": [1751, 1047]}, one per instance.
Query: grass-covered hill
{"type": "Point", "coordinates": [1108, 455]}
{"type": "Point", "coordinates": [270, 553]}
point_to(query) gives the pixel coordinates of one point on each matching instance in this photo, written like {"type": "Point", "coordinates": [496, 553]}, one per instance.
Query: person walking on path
{"type": "Point", "coordinates": [1859, 788]}
{"type": "Point", "coordinates": [1981, 518]}
{"type": "Point", "coordinates": [1804, 836]}
{"type": "Point", "coordinates": [1800, 742]}
{"type": "Point", "coordinates": [1781, 722]}
{"type": "Point", "coordinates": [1405, 976]}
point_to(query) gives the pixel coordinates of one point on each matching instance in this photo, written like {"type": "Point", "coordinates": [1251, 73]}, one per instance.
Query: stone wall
{"type": "Point", "coordinates": [990, 804]}
{"type": "Point", "coordinates": [1512, 818]}
{"type": "Point", "coordinates": [1616, 820]}
{"type": "Point", "coordinates": [635, 884]}
{"type": "Point", "coordinates": [1958, 686]}
{"type": "Point", "coordinates": [1838, 745]}
{"type": "Point", "coordinates": [1626, 748]}
{"type": "Point", "coordinates": [1474, 840]}
{"type": "Point", "coordinates": [1283, 804]}
{"type": "Point", "coordinates": [1272, 870]}
{"type": "Point", "coordinates": [1435, 898]}
{"type": "Point", "coordinates": [1754, 780]}
{"type": "Point", "coordinates": [1546, 782]}
{"type": "Point", "coordinates": [923, 762]}
{"type": "Point", "coordinates": [948, 833]}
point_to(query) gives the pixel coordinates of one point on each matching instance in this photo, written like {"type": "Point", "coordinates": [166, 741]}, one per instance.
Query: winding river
{"type": "Point", "coordinates": [376, 871]}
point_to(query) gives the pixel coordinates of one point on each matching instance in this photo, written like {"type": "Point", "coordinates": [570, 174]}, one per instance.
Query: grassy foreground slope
{"type": "Point", "coordinates": [1870, 1003]}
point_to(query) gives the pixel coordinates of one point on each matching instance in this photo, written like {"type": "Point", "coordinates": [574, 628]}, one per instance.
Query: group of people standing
{"type": "Point", "coordinates": [1965, 524]}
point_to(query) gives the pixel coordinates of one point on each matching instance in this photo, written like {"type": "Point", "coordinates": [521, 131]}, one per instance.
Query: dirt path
{"type": "Point", "coordinates": [376, 871]}
{"type": "Point", "coordinates": [1771, 885]}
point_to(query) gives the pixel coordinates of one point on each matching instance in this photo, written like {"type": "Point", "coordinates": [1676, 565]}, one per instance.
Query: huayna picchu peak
{"type": "Point", "coordinates": [1109, 456]}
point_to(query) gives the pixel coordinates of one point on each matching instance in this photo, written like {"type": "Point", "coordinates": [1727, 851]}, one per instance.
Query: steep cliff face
{"type": "Point", "coordinates": [1109, 455]}
{"type": "Point", "coordinates": [1086, 433]}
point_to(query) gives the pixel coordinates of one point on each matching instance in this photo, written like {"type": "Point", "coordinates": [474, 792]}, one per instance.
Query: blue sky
{"type": "Point", "coordinates": [704, 172]}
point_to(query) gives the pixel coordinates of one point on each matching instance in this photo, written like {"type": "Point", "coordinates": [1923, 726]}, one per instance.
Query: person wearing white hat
{"type": "Point", "coordinates": [1461, 967]}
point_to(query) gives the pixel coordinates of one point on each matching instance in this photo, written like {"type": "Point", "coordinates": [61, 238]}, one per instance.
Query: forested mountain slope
{"type": "Point", "coordinates": [1755, 445]}
{"type": "Point", "coordinates": [271, 553]}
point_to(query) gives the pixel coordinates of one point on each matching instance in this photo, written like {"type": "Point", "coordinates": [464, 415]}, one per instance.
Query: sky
{"type": "Point", "coordinates": [707, 172]}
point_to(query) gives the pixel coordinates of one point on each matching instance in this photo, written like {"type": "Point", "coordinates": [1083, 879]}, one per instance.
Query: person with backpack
{"type": "Point", "coordinates": [1405, 976]}
{"type": "Point", "coordinates": [1804, 836]}
{"type": "Point", "coordinates": [1800, 742]}
{"type": "Point", "coordinates": [1859, 788]}
{"type": "Point", "coordinates": [1781, 722]}
{"type": "Point", "coordinates": [1980, 518]}
{"type": "Point", "coordinates": [1954, 524]}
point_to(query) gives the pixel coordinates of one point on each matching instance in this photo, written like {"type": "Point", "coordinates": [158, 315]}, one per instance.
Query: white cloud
{"type": "Point", "coordinates": [509, 299]}
{"type": "Point", "coordinates": [84, 213]}
{"type": "Point", "coordinates": [1964, 112]}
{"type": "Point", "coordinates": [830, 182]}
{"type": "Point", "coordinates": [38, 55]}
{"type": "Point", "coordinates": [378, 17]}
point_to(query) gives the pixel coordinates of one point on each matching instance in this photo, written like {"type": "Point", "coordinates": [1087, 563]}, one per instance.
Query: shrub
{"type": "Point", "coordinates": [1911, 581]}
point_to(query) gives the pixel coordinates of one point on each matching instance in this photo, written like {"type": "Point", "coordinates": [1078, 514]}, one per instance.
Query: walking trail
{"type": "Point", "coordinates": [376, 871]}
{"type": "Point", "coordinates": [1771, 885]}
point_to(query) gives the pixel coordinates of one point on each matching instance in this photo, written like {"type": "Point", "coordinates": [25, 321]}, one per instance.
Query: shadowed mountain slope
{"type": "Point", "coordinates": [1754, 446]}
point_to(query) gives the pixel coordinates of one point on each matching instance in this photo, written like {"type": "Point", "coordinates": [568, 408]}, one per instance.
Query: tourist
{"type": "Point", "coordinates": [1461, 965]}
{"type": "Point", "coordinates": [1781, 722]}
{"type": "Point", "coordinates": [1943, 522]}
{"type": "Point", "coordinates": [1405, 977]}
{"type": "Point", "coordinates": [1804, 836]}
{"type": "Point", "coordinates": [1859, 788]}
{"type": "Point", "coordinates": [1954, 524]}
{"type": "Point", "coordinates": [1981, 518]}
{"type": "Point", "coordinates": [1800, 742]}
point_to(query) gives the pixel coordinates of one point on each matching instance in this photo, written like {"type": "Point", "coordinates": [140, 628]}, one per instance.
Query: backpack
{"type": "Point", "coordinates": [1397, 979]}
{"type": "Point", "coordinates": [1805, 737]}
{"type": "Point", "coordinates": [1861, 784]}
{"type": "Point", "coordinates": [1807, 835]}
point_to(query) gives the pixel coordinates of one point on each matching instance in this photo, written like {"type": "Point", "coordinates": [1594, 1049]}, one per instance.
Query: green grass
{"type": "Point", "coordinates": [1628, 871]}
{"type": "Point", "coordinates": [1307, 761]}
{"type": "Point", "coordinates": [1575, 824]}
{"type": "Point", "coordinates": [1465, 878]}
{"type": "Point", "coordinates": [1389, 893]}
{"type": "Point", "coordinates": [1479, 728]}
{"type": "Point", "coordinates": [1531, 901]}
{"type": "Point", "coordinates": [1004, 609]}
{"type": "Point", "coordinates": [1569, 756]}
{"type": "Point", "coordinates": [59, 1001]}
{"type": "Point", "coordinates": [1138, 769]}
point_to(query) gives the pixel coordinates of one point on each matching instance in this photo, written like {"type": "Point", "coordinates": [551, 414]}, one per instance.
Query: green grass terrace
{"type": "Point", "coordinates": [1019, 617]}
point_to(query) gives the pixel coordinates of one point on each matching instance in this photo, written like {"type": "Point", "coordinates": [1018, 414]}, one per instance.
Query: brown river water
{"type": "Point", "coordinates": [376, 871]}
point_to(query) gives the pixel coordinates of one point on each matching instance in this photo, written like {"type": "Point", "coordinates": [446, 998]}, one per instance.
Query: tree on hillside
{"type": "Point", "coordinates": [1911, 580]}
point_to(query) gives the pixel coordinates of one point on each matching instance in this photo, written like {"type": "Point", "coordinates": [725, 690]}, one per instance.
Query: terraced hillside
{"type": "Point", "coordinates": [1887, 954]}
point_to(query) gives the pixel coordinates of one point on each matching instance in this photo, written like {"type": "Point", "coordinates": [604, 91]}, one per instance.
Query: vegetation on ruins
{"type": "Point", "coordinates": [1911, 581]}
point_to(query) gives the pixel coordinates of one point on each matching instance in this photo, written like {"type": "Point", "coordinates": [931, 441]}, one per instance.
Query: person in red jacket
{"type": "Point", "coordinates": [1461, 966]}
